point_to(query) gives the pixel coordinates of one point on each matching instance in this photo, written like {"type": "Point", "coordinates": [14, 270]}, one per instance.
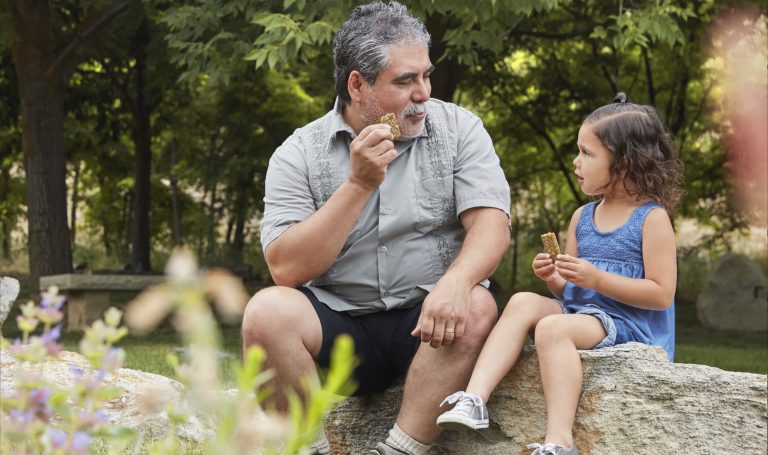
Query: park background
{"type": "Point", "coordinates": [128, 128]}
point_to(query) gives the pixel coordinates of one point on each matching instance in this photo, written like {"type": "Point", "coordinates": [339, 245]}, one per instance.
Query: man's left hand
{"type": "Point", "coordinates": [444, 313]}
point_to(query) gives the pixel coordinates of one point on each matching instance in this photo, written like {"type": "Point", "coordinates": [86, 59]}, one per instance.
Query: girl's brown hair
{"type": "Point", "coordinates": [643, 151]}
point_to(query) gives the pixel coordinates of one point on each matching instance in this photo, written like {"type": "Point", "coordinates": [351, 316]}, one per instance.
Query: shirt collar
{"type": "Point", "coordinates": [338, 124]}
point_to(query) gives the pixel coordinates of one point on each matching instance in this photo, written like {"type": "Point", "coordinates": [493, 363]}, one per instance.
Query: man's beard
{"type": "Point", "coordinates": [371, 112]}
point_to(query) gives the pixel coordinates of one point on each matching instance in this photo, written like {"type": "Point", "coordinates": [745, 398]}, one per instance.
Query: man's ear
{"type": "Point", "coordinates": [355, 85]}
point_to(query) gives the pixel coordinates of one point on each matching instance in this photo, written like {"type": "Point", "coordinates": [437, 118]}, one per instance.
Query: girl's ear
{"type": "Point", "coordinates": [355, 85]}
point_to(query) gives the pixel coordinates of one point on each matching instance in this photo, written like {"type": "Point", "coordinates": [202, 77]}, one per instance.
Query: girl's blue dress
{"type": "Point", "coordinates": [621, 252]}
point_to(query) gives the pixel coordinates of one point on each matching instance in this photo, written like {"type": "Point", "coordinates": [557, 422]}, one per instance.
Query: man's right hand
{"type": "Point", "coordinates": [370, 153]}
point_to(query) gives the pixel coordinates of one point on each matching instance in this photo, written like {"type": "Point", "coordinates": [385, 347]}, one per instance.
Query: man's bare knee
{"type": "Point", "coordinates": [268, 310]}
{"type": "Point", "coordinates": [483, 314]}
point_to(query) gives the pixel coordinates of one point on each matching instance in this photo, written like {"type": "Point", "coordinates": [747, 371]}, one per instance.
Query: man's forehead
{"type": "Point", "coordinates": [409, 57]}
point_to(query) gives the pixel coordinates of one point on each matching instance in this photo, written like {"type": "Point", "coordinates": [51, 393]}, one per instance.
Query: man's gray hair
{"type": "Point", "coordinates": [363, 41]}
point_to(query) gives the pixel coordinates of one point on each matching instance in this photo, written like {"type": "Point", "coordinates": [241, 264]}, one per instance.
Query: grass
{"type": "Point", "coordinates": [731, 350]}
{"type": "Point", "coordinates": [148, 353]}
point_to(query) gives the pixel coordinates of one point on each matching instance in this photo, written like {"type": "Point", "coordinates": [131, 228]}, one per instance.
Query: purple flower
{"type": "Point", "coordinates": [49, 315]}
{"type": "Point", "coordinates": [80, 442]}
{"type": "Point", "coordinates": [113, 360]}
{"type": "Point", "coordinates": [58, 437]}
{"type": "Point", "coordinates": [49, 341]}
{"type": "Point", "coordinates": [90, 418]}
{"type": "Point", "coordinates": [53, 301]}
{"type": "Point", "coordinates": [40, 396]}
{"type": "Point", "coordinates": [76, 372]}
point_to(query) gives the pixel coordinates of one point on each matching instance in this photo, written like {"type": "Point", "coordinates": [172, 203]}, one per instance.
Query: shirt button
{"type": "Point", "coordinates": [383, 249]}
{"type": "Point", "coordinates": [386, 294]}
{"type": "Point", "coordinates": [385, 211]}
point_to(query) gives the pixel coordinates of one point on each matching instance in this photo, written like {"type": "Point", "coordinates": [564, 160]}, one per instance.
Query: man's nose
{"type": "Point", "coordinates": [422, 91]}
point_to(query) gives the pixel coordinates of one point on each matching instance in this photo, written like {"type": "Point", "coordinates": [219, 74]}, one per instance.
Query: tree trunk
{"type": "Point", "coordinates": [445, 81]}
{"type": "Point", "coordinates": [241, 209]}
{"type": "Point", "coordinates": [73, 204]}
{"type": "Point", "coordinates": [7, 225]}
{"type": "Point", "coordinates": [142, 137]}
{"type": "Point", "coordinates": [42, 141]}
{"type": "Point", "coordinates": [175, 195]}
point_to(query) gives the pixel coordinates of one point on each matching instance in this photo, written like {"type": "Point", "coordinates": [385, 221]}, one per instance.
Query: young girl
{"type": "Point", "coordinates": [615, 284]}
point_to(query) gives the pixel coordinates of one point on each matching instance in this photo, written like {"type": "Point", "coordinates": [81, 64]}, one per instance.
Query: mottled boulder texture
{"type": "Point", "coordinates": [633, 402]}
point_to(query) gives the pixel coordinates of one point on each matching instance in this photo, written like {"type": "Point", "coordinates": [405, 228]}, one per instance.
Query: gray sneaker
{"type": "Point", "coordinates": [552, 449]}
{"type": "Point", "coordinates": [384, 449]}
{"type": "Point", "coordinates": [469, 412]}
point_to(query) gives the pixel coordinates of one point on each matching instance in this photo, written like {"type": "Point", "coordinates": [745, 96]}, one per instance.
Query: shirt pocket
{"type": "Point", "coordinates": [435, 203]}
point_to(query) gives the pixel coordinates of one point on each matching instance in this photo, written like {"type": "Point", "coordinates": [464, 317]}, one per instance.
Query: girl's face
{"type": "Point", "coordinates": [592, 163]}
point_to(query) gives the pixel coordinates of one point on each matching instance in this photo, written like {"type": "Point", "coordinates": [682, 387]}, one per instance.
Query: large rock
{"type": "Point", "coordinates": [633, 402]}
{"type": "Point", "coordinates": [734, 296]}
{"type": "Point", "coordinates": [9, 290]}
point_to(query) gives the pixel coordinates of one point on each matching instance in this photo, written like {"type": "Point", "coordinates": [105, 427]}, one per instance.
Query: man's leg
{"type": "Point", "coordinates": [438, 372]}
{"type": "Point", "coordinates": [284, 323]}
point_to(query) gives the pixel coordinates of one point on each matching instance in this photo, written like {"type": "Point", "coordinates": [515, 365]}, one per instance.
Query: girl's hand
{"type": "Point", "coordinates": [544, 268]}
{"type": "Point", "coordinates": [578, 271]}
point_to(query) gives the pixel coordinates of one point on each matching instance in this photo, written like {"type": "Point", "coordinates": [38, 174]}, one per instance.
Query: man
{"type": "Point", "coordinates": [396, 237]}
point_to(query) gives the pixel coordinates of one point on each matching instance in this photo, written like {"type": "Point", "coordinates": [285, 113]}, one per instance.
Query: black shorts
{"type": "Point", "coordinates": [384, 345]}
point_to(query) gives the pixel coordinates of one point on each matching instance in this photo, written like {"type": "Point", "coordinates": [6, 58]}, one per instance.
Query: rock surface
{"type": "Point", "coordinates": [9, 290]}
{"type": "Point", "coordinates": [734, 296]}
{"type": "Point", "coordinates": [633, 402]}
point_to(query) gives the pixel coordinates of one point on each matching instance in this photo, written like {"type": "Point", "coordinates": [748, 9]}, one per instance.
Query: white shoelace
{"type": "Point", "coordinates": [463, 400]}
{"type": "Point", "coordinates": [546, 449]}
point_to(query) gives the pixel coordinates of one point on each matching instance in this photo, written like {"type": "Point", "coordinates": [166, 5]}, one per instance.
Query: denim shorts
{"type": "Point", "coordinates": [384, 345]}
{"type": "Point", "coordinates": [616, 331]}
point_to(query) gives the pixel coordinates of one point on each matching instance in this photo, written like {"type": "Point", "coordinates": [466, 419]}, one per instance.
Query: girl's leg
{"type": "Point", "coordinates": [505, 342]}
{"type": "Point", "coordinates": [557, 339]}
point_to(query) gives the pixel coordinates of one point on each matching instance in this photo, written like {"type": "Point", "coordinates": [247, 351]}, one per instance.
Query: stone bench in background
{"type": "Point", "coordinates": [88, 295]}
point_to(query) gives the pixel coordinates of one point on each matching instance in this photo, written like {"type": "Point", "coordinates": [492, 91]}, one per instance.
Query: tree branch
{"type": "Point", "coordinates": [548, 35]}
{"type": "Point", "coordinates": [541, 131]}
{"type": "Point", "coordinates": [85, 34]}
{"type": "Point", "coordinates": [649, 78]}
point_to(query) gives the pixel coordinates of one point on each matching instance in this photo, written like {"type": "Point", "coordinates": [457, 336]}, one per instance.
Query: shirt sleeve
{"type": "Point", "coordinates": [287, 196]}
{"type": "Point", "coordinates": [479, 180]}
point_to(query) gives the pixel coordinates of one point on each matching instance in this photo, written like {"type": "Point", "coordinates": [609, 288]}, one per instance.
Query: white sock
{"type": "Point", "coordinates": [321, 444]}
{"type": "Point", "coordinates": [401, 441]}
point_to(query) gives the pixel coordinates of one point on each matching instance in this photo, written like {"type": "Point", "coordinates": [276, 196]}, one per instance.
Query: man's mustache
{"type": "Point", "coordinates": [414, 109]}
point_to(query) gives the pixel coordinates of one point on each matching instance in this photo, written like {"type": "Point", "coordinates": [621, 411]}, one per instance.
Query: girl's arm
{"type": "Point", "coordinates": [548, 273]}
{"type": "Point", "coordinates": [654, 292]}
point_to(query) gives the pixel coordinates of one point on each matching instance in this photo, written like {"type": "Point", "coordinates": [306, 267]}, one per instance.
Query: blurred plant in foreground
{"type": "Point", "coordinates": [240, 425]}
{"type": "Point", "coordinates": [40, 419]}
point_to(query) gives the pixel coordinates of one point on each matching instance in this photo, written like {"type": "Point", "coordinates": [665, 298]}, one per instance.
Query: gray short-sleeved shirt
{"type": "Point", "coordinates": [409, 230]}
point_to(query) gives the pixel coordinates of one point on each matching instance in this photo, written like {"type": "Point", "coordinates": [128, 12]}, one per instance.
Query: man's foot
{"type": "Point", "coordinates": [553, 449]}
{"type": "Point", "coordinates": [384, 449]}
{"type": "Point", "coordinates": [469, 412]}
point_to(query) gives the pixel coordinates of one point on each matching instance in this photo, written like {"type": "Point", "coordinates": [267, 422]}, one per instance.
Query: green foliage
{"type": "Point", "coordinates": [650, 24]}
